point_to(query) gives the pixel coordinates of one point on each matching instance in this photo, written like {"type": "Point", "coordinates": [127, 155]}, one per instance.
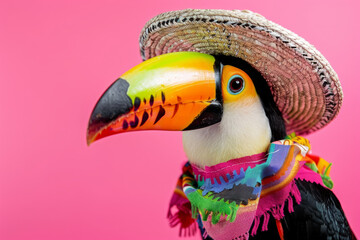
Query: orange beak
{"type": "Point", "coordinates": [176, 91]}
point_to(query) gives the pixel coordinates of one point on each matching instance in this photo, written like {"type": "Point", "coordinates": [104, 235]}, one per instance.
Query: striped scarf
{"type": "Point", "coordinates": [229, 198]}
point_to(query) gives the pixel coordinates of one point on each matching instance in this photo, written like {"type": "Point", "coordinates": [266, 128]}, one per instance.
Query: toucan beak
{"type": "Point", "coordinates": [175, 91]}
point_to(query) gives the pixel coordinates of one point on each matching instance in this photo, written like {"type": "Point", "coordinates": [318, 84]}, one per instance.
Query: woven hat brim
{"type": "Point", "coordinates": [305, 87]}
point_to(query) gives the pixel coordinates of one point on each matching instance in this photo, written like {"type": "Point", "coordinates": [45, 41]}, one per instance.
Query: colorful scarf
{"type": "Point", "coordinates": [231, 197]}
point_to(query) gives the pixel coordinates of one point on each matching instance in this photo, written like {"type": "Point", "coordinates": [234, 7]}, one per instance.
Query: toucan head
{"type": "Point", "coordinates": [223, 105]}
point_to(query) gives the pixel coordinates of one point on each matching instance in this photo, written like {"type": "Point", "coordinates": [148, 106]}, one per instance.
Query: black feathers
{"type": "Point", "coordinates": [318, 216]}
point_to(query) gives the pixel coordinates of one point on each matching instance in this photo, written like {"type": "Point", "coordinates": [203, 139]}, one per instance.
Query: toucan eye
{"type": "Point", "coordinates": [236, 84]}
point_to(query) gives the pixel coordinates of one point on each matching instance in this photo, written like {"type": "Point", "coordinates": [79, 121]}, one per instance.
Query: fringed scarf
{"type": "Point", "coordinates": [231, 197]}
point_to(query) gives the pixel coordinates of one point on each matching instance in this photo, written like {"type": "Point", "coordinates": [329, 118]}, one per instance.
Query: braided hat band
{"type": "Point", "coordinates": [305, 87]}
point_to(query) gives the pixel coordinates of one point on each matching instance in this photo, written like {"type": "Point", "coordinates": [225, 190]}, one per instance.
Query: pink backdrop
{"type": "Point", "coordinates": [57, 58]}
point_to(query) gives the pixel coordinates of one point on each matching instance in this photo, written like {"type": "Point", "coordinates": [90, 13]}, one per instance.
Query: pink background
{"type": "Point", "coordinates": [57, 58]}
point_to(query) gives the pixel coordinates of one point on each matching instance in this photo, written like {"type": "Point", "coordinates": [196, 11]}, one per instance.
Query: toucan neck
{"type": "Point", "coordinates": [243, 131]}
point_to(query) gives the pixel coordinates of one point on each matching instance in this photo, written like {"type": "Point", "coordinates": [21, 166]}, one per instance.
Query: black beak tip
{"type": "Point", "coordinates": [113, 103]}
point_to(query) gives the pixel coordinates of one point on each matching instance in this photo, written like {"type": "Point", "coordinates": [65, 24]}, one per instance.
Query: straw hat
{"type": "Point", "coordinates": [304, 85]}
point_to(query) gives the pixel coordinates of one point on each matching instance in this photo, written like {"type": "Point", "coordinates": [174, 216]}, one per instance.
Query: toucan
{"type": "Point", "coordinates": [226, 110]}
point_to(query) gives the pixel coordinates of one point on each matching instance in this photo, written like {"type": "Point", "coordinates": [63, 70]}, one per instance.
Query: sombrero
{"type": "Point", "coordinates": [305, 87]}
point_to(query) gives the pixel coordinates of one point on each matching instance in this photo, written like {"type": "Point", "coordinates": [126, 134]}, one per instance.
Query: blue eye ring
{"type": "Point", "coordinates": [236, 84]}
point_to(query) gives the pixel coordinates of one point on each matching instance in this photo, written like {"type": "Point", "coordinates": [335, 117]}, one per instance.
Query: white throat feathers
{"type": "Point", "coordinates": [244, 130]}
